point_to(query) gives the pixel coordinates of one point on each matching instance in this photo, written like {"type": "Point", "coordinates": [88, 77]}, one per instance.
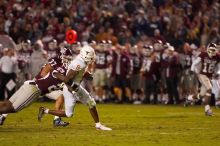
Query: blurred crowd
{"type": "Point", "coordinates": [141, 45]}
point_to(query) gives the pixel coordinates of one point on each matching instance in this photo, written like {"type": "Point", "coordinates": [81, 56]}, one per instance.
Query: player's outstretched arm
{"type": "Point", "coordinates": [46, 70]}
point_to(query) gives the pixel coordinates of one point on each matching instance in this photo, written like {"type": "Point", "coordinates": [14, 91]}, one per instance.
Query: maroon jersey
{"type": "Point", "coordinates": [53, 62]}
{"type": "Point", "coordinates": [125, 64]}
{"type": "Point", "coordinates": [137, 63]}
{"type": "Point", "coordinates": [102, 59]}
{"type": "Point", "coordinates": [150, 69]}
{"type": "Point", "coordinates": [49, 82]}
{"type": "Point", "coordinates": [208, 64]}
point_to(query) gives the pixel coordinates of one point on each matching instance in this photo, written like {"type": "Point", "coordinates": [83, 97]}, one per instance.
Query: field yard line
{"type": "Point", "coordinates": [189, 113]}
{"type": "Point", "coordinates": [174, 133]}
{"type": "Point", "coordinates": [198, 128]}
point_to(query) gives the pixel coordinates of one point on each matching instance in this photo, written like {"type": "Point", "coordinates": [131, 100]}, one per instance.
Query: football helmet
{"type": "Point", "coordinates": [26, 45]}
{"type": "Point", "coordinates": [76, 46]}
{"type": "Point", "coordinates": [65, 55]}
{"type": "Point", "coordinates": [148, 50]}
{"type": "Point", "coordinates": [93, 44]}
{"type": "Point", "coordinates": [212, 49]}
{"type": "Point", "coordinates": [102, 45]}
{"type": "Point", "coordinates": [52, 45]}
{"type": "Point", "coordinates": [158, 45]}
{"type": "Point", "coordinates": [87, 53]}
{"type": "Point", "coordinates": [109, 44]}
{"type": "Point", "coordinates": [166, 45]}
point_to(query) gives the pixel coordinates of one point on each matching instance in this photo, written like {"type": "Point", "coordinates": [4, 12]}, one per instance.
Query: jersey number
{"type": "Point", "coordinates": [55, 87]}
{"type": "Point", "coordinates": [52, 62]}
{"type": "Point", "coordinates": [100, 59]}
{"type": "Point", "coordinates": [208, 68]}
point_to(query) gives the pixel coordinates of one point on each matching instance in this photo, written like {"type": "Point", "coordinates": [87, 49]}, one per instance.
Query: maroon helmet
{"type": "Point", "coordinates": [65, 55]}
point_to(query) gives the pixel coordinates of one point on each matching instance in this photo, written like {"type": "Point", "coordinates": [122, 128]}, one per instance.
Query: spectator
{"type": "Point", "coordinates": [7, 74]}
{"type": "Point", "coordinates": [38, 58]}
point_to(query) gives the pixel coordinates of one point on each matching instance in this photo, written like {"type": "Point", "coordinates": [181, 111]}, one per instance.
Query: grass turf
{"type": "Point", "coordinates": [133, 125]}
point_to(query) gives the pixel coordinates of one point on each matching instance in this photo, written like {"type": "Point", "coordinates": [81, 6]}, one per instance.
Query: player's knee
{"type": "Point", "coordinates": [91, 103]}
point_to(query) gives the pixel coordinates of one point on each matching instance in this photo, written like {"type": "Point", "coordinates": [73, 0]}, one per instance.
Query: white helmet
{"type": "Point", "coordinates": [212, 49]}
{"type": "Point", "coordinates": [87, 53]}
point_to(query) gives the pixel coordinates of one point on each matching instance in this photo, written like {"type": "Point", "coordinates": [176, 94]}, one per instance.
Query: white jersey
{"type": "Point", "coordinates": [70, 98]}
{"type": "Point", "coordinates": [78, 64]}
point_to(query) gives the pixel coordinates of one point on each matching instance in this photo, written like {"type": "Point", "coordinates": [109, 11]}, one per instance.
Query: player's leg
{"type": "Point", "coordinates": [2, 118]}
{"type": "Point", "coordinates": [6, 107]}
{"type": "Point", "coordinates": [96, 84]}
{"type": "Point", "coordinates": [58, 97]}
{"type": "Point", "coordinates": [69, 101]}
{"type": "Point", "coordinates": [117, 89]}
{"type": "Point", "coordinates": [103, 83]}
{"type": "Point", "coordinates": [19, 100]}
{"type": "Point", "coordinates": [85, 98]}
{"type": "Point", "coordinates": [206, 93]}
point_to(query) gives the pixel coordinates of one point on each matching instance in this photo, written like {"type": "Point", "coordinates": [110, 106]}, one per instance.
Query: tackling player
{"type": "Point", "coordinates": [208, 62]}
{"type": "Point", "coordinates": [43, 83]}
{"type": "Point", "coordinates": [73, 91]}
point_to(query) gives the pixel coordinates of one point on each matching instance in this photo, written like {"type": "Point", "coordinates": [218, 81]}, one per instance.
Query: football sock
{"type": "Point", "coordinates": [97, 124]}
{"type": "Point", "coordinates": [5, 115]}
{"type": "Point", "coordinates": [56, 117]}
{"type": "Point", "coordinates": [207, 107]}
{"type": "Point", "coordinates": [46, 111]}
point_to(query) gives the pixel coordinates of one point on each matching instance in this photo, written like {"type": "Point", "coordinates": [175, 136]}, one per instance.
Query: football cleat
{"type": "Point", "coordinates": [187, 103]}
{"type": "Point", "coordinates": [41, 113]}
{"type": "Point", "coordinates": [2, 119]}
{"type": "Point", "coordinates": [102, 127]}
{"type": "Point", "coordinates": [59, 123]}
{"type": "Point", "coordinates": [209, 112]}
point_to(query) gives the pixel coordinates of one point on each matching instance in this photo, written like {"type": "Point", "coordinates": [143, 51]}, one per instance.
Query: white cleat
{"type": "Point", "coordinates": [102, 127]}
{"type": "Point", "coordinates": [209, 113]}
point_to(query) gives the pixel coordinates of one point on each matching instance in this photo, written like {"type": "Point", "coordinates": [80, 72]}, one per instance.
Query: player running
{"type": "Point", "coordinates": [44, 83]}
{"type": "Point", "coordinates": [209, 64]}
{"type": "Point", "coordinates": [73, 91]}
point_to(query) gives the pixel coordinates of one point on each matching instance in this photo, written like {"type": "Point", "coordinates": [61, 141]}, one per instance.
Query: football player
{"type": "Point", "coordinates": [188, 79]}
{"type": "Point", "coordinates": [102, 63]}
{"type": "Point", "coordinates": [45, 82]}
{"type": "Point", "coordinates": [206, 65]}
{"type": "Point", "coordinates": [135, 80]}
{"type": "Point", "coordinates": [73, 90]}
{"type": "Point", "coordinates": [64, 55]}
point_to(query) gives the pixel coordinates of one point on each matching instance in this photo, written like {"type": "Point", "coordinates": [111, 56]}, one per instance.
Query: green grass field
{"type": "Point", "coordinates": [133, 125]}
